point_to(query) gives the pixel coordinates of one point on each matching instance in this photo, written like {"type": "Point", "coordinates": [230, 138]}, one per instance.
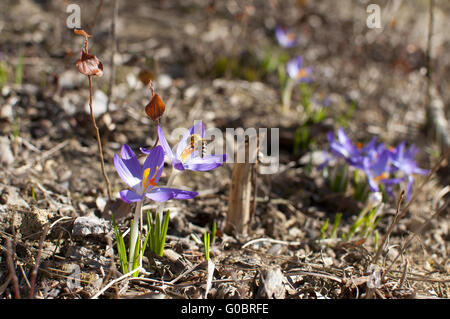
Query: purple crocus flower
{"type": "Point", "coordinates": [372, 159]}
{"type": "Point", "coordinates": [343, 147]}
{"type": "Point", "coordinates": [404, 161]}
{"type": "Point", "coordinates": [188, 154]}
{"type": "Point", "coordinates": [377, 171]}
{"type": "Point", "coordinates": [297, 71]}
{"type": "Point", "coordinates": [143, 180]}
{"type": "Point", "coordinates": [285, 37]}
{"type": "Point", "coordinates": [353, 154]}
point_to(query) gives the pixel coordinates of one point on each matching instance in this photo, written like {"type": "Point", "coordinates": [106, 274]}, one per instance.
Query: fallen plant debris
{"type": "Point", "coordinates": [181, 205]}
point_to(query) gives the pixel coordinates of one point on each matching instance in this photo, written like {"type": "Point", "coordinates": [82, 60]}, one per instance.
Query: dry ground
{"type": "Point", "coordinates": [206, 58]}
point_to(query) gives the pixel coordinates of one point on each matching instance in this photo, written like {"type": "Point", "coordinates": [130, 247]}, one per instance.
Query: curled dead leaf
{"type": "Point", "coordinates": [88, 64]}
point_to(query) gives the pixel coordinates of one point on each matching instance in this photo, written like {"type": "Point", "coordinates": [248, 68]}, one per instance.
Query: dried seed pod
{"type": "Point", "coordinates": [145, 77]}
{"type": "Point", "coordinates": [88, 64]}
{"type": "Point", "coordinates": [155, 108]}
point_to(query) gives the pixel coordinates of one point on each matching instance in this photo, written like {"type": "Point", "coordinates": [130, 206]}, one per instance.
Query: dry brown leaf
{"type": "Point", "coordinates": [155, 108]}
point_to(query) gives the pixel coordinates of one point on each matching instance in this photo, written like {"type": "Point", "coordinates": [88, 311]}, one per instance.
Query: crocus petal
{"type": "Point", "coordinates": [297, 72]}
{"type": "Point", "coordinates": [285, 37]}
{"type": "Point", "coordinates": [339, 150]}
{"type": "Point", "coordinates": [420, 171]}
{"type": "Point", "coordinates": [393, 181]}
{"type": "Point", "coordinates": [330, 137]}
{"type": "Point", "coordinates": [164, 194]}
{"type": "Point", "coordinates": [207, 163]}
{"type": "Point", "coordinates": [175, 161]}
{"type": "Point", "coordinates": [309, 72]}
{"type": "Point", "coordinates": [164, 144]}
{"type": "Point", "coordinates": [381, 165]}
{"type": "Point", "coordinates": [144, 150]}
{"type": "Point", "coordinates": [370, 146]}
{"type": "Point", "coordinates": [294, 65]}
{"type": "Point", "coordinates": [389, 190]}
{"type": "Point", "coordinates": [372, 184]}
{"type": "Point", "coordinates": [124, 172]}
{"type": "Point", "coordinates": [130, 196]}
{"type": "Point", "coordinates": [325, 162]}
{"type": "Point", "coordinates": [345, 140]}
{"type": "Point", "coordinates": [411, 152]}
{"type": "Point", "coordinates": [400, 152]}
{"type": "Point", "coordinates": [178, 165]}
{"type": "Point", "coordinates": [409, 187]}
{"type": "Point", "coordinates": [131, 161]}
{"type": "Point", "coordinates": [155, 159]}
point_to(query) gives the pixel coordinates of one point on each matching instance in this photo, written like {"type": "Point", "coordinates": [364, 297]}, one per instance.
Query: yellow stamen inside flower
{"type": "Point", "coordinates": [391, 148]}
{"type": "Point", "coordinates": [302, 73]}
{"type": "Point", "coordinates": [146, 182]}
{"type": "Point", "coordinates": [380, 177]}
{"type": "Point", "coordinates": [359, 145]}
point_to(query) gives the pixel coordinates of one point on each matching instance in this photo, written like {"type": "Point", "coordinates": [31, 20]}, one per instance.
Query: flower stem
{"type": "Point", "coordinates": [287, 94]}
{"type": "Point", "coordinates": [134, 233]}
{"type": "Point", "coordinates": [99, 143]}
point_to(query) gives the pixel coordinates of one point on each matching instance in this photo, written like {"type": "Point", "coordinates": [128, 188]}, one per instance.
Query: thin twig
{"type": "Point", "coordinates": [391, 227]}
{"type": "Point", "coordinates": [112, 76]}
{"type": "Point", "coordinates": [418, 278]}
{"type": "Point", "coordinates": [157, 136]}
{"type": "Point", "coordinates": [5, 284]}
{"type": "Point", "coordinates": [405, 271]}
{"type": "Point", "coordinates": [99, 142]}
{"type": "Point", "coordinates": [404, 210]}
{"type": "Point", "coordinates": [112, 270]}
{"type": "Point", "coordinates": [428, 61]}
{"type": "Point", "coordinates": [188, 271]}
{"type": "Point", "coordinates": [115, 281]}
{"type": "Point", "coordinates": [12, 272]}
{"type": "Point", "coordinates": [38, 260]}
{"type": "Point", "coordinates": [403, 248]}
{"type": "Point", "coordinates": [316, 274]}
{"type": "Point", "coordinates": [97, 14]}
{"type": "Point", "coordinates": [13, 231]}
{"type": "Point", "coordinates": [273, 241]}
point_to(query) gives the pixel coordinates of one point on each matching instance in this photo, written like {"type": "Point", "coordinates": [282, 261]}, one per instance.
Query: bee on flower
{"type": "Point", "coordinates": [190, 153]}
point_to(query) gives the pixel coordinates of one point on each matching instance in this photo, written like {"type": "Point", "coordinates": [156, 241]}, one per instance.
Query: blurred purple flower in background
{"type": "Point", "coordinates": [377, 171]}
{"type": "Point", "coordinates": [143, 180]}
{"type": "Point", "coordinates": [297, 71]}
{"type": "Point", "coordinates": [344, 147]}
{"type": "Point", "coordinates": [404, 161]}
{"type": "Point", "coordinates": [285, 37]}
{"type": "Point", "coordinates": [378, 162]}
